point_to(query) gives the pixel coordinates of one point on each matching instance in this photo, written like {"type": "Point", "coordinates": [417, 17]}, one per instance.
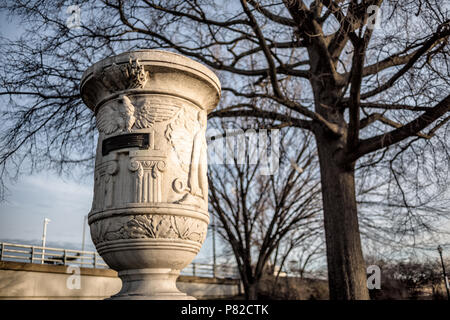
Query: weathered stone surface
{"type": "Point", "coordinates": [20, 280]}
{"type": "Point", "coordinates": [149, 213]}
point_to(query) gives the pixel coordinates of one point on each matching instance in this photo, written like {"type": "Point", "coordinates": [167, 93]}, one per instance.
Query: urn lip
{"type": "Point", "coordinates": [152, 57]}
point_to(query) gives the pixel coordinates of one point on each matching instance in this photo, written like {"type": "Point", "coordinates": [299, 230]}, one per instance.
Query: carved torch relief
{"type": "Point", "coordinates": [186, 134]}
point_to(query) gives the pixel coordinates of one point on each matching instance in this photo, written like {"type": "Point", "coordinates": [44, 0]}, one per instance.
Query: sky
{"type": "Point", "coordinates": [46, 195]}
{"type": "Point", "coordinates": [66, 202]}
{"type": "Point", "coordinates": [33, 197]}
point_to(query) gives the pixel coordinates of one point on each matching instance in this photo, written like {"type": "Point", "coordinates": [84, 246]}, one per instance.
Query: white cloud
{"type": "Point", "coordinates": [45, 195]}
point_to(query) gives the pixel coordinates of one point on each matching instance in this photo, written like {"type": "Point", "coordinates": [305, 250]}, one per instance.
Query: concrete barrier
{"type": "Point", "coordinates": [40, 281]}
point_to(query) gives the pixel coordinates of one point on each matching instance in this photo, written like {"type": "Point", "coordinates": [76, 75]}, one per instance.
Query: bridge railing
{"type": "Point", "coordinates": [211, 271]}
{"type": "Point", "coordinates": [91, 259]}
{"type": "Point", "coordinates": [46, 255]}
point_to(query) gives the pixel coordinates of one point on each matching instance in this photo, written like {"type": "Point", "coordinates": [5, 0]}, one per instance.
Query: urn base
{"type": "Point", "coordinates": [150, 284]}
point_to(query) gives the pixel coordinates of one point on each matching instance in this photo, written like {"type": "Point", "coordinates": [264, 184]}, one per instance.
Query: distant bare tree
{"type": "Point", "coordinates": [369, 95]}
{"type": "Point", "coordinates": [409, 279]}
{"type": "Point", "coordinates": [264, 217]}
{"type": "Point", "coordinates": [305, 259]}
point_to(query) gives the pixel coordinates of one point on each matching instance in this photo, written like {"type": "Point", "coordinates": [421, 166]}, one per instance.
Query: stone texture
{"type": "Point", "coordinates": [41, 281]}
{"type": "Point", "coordinates": [149, 213]}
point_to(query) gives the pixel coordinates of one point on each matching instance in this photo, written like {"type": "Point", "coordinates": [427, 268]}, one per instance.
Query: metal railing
{"type": "Point", "coordinates": [91, 259]}
{"type": "Point", "coordinates": [46, 255]}
{"type": "Point", "coordinates": [211, 271]}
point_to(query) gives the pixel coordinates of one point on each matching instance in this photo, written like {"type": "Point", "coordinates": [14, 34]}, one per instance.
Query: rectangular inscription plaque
{"type": "Point", "coordinates": [140, 140]}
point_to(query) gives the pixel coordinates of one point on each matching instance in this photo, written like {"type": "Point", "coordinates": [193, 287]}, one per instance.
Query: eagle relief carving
{"type": "Point", "coordinates": [121, 115]}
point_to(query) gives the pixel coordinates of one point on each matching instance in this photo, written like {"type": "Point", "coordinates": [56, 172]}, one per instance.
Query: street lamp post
{"type": "Point", "coordinates": [214, 244]}
{"type": "Point", "coordinates": [44, 235]}
{"type": "Point", "coordinates": [84, 236]}
{"type": "Point", "coordinates": [439, 248]}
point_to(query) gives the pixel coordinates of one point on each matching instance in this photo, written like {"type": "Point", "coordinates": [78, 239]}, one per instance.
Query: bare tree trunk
{"type": "Point", "coordinates": [251, 291]}
{"type": "Point", "coordinates": [346, 267]}
{"type": "Point", "coordinates": [249, 282]}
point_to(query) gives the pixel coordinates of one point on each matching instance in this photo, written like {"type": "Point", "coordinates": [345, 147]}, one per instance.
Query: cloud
{"type": "Point", "coordinates": [65, 202]}
{"type": "Point", "coordinates": [46, 195]}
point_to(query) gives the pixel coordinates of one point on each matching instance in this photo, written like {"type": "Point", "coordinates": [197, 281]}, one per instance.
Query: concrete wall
{"type": "Point", "coordinates": [37, 281]}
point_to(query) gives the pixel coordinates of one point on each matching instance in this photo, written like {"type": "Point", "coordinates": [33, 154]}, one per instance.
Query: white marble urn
{"type": "Point", "coordinates": [149, 214]}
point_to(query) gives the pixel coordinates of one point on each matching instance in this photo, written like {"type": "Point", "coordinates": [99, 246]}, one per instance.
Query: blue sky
{"type": "Point", "coordinates": [44, 194]}
{"type": "Point", "coordinates": [32, 198]}
{"type": "Point", "coordinates": [63, 200]}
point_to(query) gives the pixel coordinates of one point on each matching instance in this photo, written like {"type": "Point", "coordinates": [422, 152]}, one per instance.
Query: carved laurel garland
{"type": "Point", "coordinates": [149, 226]}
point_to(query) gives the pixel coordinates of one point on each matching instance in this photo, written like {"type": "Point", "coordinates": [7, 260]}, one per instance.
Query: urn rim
{"type": "Point", "coordinates": [152, 57]}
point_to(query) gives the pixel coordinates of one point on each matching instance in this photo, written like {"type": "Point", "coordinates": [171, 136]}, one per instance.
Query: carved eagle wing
{"type": "Point", "coordinates": [123, 115]}
{"type": "Point", "coordinates": [108, 119]}
{"type": "Point", "coordinates": [150, 113]}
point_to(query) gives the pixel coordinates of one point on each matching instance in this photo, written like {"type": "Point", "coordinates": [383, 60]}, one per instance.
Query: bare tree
{"type": "Point", "coordinates": [307, 258]}
{"type": "Point", "coordinates": [264, 217]}
{"type": "Point", "coordinates": [367, 93]}
{"type": "Point", "coordinates": [409, 278]}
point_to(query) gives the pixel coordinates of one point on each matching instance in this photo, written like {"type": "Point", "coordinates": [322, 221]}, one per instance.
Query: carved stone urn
{"type": "Point", "coordinates": [149, 214]}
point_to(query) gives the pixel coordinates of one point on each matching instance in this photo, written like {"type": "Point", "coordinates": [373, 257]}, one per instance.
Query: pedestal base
{"type": "Point", "coordinates": [150, 284]}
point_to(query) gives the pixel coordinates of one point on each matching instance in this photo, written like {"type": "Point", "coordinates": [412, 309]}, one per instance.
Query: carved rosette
{"type": "Point", "coordinates": [149, 212]}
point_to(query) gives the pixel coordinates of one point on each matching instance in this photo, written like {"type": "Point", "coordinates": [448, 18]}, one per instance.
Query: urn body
{"type": "Point", "coordinates": [149, 214]}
